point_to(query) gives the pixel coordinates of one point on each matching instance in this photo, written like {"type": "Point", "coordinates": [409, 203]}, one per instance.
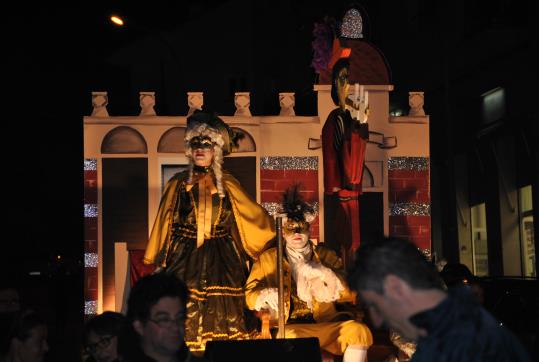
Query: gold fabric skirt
{"type": "Point", "coordinates": [215, 275]}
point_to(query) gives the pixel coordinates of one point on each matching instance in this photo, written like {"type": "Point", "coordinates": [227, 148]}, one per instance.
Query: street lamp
{"type": "Point", "coordinates": [160, 37]}
{"type": "Point", "coordinates": [117, 20]}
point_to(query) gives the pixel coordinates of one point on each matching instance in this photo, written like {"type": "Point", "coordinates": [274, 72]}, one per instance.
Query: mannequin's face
{"type": "Point", "coordinates": [296, 234]}
{"type": "Point", "coordinates": [202, 151]}
{"type": "Point", "coordinates": [342, 86]}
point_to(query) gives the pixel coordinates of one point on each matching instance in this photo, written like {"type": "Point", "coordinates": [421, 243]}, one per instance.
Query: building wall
{"type": "Point", "coordinates": [287, 151]}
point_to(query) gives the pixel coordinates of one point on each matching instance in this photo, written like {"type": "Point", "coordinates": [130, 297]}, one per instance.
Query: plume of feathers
{"type": "Point", "coordinates": [295, 207]}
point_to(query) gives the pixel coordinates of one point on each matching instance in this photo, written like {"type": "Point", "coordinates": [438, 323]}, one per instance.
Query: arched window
{"type": "Point", "coordinates": [124, 139]}
{"type": "Point", "coordinates": [247, 143]}
{"type": "Point", "coordinates": [367, 179]}
{"type": "Point", "coordinates": [172, 141]}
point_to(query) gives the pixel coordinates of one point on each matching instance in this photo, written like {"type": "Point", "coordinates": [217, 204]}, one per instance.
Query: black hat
{"type": "Point", "coordinates": [224, 136]}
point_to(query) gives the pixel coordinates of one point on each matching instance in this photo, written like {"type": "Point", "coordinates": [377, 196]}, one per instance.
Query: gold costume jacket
{"type": "Point", "coordinates": [264, 275]}
{"type": "Point", "coordinates": [253, 231]}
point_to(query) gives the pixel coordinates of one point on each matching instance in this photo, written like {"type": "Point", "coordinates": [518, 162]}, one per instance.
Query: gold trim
{"type": "Point", "coordinates": [182, 231]}
{"type": "Point", "coordinates": [216, 287]}
{"type": "Point", "coordinates": [197, 291]}
{"type": "Point", "coordinates": [226, 291]}
{"type": "Point", "coordinates": [241, 295]}
{"type": "Point", "coordinates": [198, 298]}
{"type": "Point", "coordinates": [220, 287]}
{"type": "Point", "coordinates": [219, 210]}
{"type": "Point", "coordinates": [217, 294]}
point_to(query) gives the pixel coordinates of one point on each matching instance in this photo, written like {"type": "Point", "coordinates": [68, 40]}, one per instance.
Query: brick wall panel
{"type": "Point", "coordinates": [90, 246]}
{"type": "Point", "coordinates": [271, 174]}
{"type": "Point", "coordinates": [266, 184]}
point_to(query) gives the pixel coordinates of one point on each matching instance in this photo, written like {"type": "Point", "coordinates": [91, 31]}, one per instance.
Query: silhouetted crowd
{"type": "Point", "coordinates": [438, 313]}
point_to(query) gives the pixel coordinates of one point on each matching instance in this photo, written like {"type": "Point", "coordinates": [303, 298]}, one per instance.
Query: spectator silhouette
{"type": "Point", "coordinates": [101, 335]}
{"type": "Point", "coordinates": [28, 338]}
{"type": "Point", "coordinates": [405, 291]}
{"type": "Point", "coordinates": [156, 312]}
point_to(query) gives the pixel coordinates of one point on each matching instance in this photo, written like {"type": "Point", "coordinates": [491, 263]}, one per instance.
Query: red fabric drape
{"type": "Point", "coordinates": [137, 268]}
{"type": "Point", "coordinates": [347, 220]}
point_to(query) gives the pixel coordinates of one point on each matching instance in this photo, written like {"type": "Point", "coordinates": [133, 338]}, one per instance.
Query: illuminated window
{"type": "Point", "coordinates": [527, 243]}
{"type": "Point", "coordinates": [479, 240]}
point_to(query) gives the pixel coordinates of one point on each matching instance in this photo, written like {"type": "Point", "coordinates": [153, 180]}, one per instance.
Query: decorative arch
{"type": "Point", "coordinates": [247, 143]}
{"type": "Point", "coordinates": [124, 139]}
{"type": "Point", "coordinates": [172, 141]}
{"type": "Point", "coordinates": [367, 179]}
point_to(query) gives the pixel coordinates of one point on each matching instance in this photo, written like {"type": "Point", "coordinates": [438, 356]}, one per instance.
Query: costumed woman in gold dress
{"type": "Point", "coordinates": [206, 232]}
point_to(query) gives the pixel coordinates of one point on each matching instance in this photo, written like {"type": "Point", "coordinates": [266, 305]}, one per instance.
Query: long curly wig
{"type": "Point", "coordinates": [224, 139]}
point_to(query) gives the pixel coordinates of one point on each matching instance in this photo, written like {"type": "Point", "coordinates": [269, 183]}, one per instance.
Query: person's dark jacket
{"type": "Point", "coordinates": [459, 329]}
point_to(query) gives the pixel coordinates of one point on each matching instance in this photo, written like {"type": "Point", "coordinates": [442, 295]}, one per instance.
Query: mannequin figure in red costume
{"type": "Point", "coordinates": [344, 141]}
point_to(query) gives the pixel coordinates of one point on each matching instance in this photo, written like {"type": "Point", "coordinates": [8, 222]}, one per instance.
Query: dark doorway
{"type": "Point", "coordinates": [125, 211]}
{"type": "Point", "coordinates": [244, 169]}
{"type": "Point", "coordinates": [371, 216]}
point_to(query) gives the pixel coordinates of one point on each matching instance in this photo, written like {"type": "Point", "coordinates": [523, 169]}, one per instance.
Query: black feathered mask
{"type": "Point", "coordinates": [295, 207]}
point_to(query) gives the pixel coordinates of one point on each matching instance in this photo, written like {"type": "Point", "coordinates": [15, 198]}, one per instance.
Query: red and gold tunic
{"type": "Point", "coordinates": [344, 142]}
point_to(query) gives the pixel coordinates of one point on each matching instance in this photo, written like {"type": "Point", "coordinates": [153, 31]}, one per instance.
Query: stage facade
{"type": "Point", "coordinates": [128, 159]}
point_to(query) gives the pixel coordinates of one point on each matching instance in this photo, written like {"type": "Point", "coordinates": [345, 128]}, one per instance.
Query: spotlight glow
{"type": "Point", "coordinates": [117, 20]}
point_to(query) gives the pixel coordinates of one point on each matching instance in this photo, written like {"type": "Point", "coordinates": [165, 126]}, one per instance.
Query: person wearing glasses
{"type": "Point", "coordinates": [206, 231]}
{"type": "Point", "coordinates": [101, 335]}
{"type": "Point", "coordinates": [156, 313]}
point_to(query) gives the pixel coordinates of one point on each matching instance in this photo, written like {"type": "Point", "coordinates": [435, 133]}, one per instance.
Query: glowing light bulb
{"type": "Point", "coordinates": [117, 20]}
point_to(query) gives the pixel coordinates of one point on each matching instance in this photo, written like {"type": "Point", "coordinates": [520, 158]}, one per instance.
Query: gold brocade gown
{"type": "Point", "coordinates": [215, 272]}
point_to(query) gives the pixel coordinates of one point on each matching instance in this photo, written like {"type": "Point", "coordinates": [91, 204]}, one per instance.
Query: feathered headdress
{"type": "Point", "coordinates": [295, 207]}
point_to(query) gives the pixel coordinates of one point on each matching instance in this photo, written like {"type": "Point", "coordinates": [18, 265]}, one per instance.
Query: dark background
{"type": "Point", "coordinates": [56, 54]}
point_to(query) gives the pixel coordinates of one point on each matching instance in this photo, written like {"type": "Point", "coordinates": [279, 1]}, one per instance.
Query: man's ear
{"type": "Point", "coordinates": [395, 287]}
{"type": "Point", "coordinates": [138, 327]}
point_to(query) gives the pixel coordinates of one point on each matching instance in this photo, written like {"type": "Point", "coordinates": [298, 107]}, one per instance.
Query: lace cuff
{"type": "Point", "coordinates": [267, 299]}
